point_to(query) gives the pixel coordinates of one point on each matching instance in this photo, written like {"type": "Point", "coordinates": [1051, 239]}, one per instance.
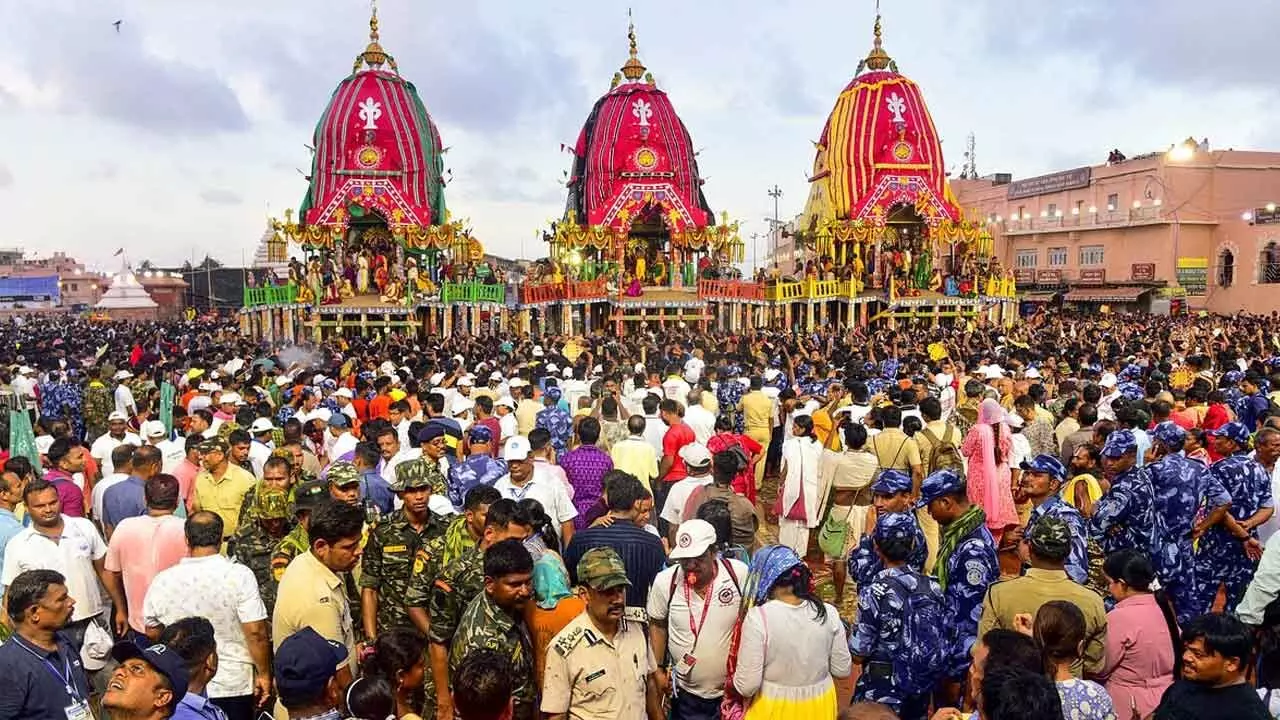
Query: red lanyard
{"type": "Point", "coordinates": [706, 605]}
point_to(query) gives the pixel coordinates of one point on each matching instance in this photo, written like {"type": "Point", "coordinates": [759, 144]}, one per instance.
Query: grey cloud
{"type": "Point", "coordinates": [1176, 42]}
{"type": "Point", "coordinates": [112, 75]}
{"type": "Point", "coordinates": [218, 196]}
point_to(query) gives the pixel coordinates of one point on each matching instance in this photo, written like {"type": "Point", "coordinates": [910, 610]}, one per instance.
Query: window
{"type": "Point", "coordinates": [1079, 208]}
{"type": "Point", "coordinates": [1226, 268]}
{"type": "Point", "coordinates": [1028, 258]}
{"type": "Point", "coordinates": [1057, 257]}
{"type": "Point", "coordinates": [1022, 213]}
{"type": "Point", "coordinates": [1053, 210]}
{"type": "Point", "coordinates": [1269, 264]}
{"type": "Point", "coordinates": [1091, 255]}
{"type": "Point", "coordinates": [75, 287]}
{"type": "Point", "coordinates": [1113, 202]}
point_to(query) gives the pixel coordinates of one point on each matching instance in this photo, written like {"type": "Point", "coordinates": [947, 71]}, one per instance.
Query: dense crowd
{"type": "Point", "coordinates": [1071, 517]}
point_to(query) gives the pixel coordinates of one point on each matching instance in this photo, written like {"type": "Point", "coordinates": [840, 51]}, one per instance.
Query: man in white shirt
{"type": "Point", "coordinates": [23, 386]}
{"type": "Point", "coordinates": [505, 409]}
{"type": "Point", "coordinates": [693, 608]}
{"type": "Point", "coordinates": [262, 446]}
{"type": "Point", "coordinates": [697, 460]}
{"type": "Point", "coordinates": [1110, 393]}
{"type": "Point", "coordinates": [701, 420]}
{"type": "Point", "coordinates": [117, 434]}
{"type": "Point", "coordinates": [693, 367]}
{"type": "Point", "coordinates": [574, 386]}
{"type": "Point", "coordinates": [675, 387]}
{"type": "Point", "coordinates": [343, 397]}
{"type": "Point", "coordinates": [207, 584]}
{"type": "Point", "coordinates": [1267, 452]}
{"type": "Point", "coordinates": [171, 453]}
{"type": "Point", "coordinates": [340, 441]}
{"type": "Point", "coordinates": [125, 403]}
{"type": "Point", "coordinates": [393, 454]}
{"type": "Point", "coordinates": [122, 466]}
{"type": "Point", "coordinates": [520, 482]}
{"type": "Point", "coordinates": [70, 546]}
{"type": "Point", "coordinates": [654, 428]}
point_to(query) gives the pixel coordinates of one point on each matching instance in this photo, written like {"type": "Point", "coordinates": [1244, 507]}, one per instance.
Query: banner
{"type": "Point", "coordinates": [167, 392]}
{"type": "Point", "coordinates": [22, 439]}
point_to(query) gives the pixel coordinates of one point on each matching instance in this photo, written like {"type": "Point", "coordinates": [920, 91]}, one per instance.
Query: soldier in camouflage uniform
{"type": "Point", "coordinates": [457, 584]}
{"type": "Point", "coordinates": [257, 537]}
{"type": "Point", "coordinates": [307, 497]}
{"type": "Point", "coordinates": [397, 548]}
{"type": "Point", "coordinates": [494, 620]}
{"type": "Point", "coordinates": [98, 404]}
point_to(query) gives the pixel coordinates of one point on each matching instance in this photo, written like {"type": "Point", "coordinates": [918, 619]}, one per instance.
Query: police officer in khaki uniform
{"type": "Point", "coordinates": [600, 666]}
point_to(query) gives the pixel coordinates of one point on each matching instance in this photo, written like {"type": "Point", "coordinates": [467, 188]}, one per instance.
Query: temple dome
{"type": "Point", "coordinates": [635, 153]}
{"type": "Point", "coordinates": [376, 149]}
{"type": "Point", "coordinates": [879, 149]}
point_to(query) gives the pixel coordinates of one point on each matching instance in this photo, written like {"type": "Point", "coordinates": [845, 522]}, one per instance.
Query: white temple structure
{"type": "Point", "coordinates": [126, 299]}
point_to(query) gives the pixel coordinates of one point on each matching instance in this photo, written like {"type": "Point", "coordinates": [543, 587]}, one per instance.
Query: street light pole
{"type": "Point", "coordinates": [775, 192]}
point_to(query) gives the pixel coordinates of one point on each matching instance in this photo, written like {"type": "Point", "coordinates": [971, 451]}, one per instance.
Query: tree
{"type": "Point", "coordinates": [209, 263]}
{"type": "Point", "coordinates": [146, 265]}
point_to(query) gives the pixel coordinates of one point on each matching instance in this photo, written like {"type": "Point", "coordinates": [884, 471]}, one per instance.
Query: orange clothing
{"type": "Point", "coordinates": [543, 626]}
{"type": "Point", "coordinates": [380, 407]}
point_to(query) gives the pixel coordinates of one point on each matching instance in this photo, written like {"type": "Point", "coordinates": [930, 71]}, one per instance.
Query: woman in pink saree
{"type": "Point", "coordinates": [987, 448]}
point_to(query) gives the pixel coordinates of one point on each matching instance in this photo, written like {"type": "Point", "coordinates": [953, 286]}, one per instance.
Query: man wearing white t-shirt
{"type": "Point", "coordinates": [70, 546]}
{"type": "Point", "coordinates": [692, 609]}
{"type": "Point", "coordinates": [117, 434]}
{"type": "Point", "coordinates": [697, 460]}
{"type": "Point", "coordinates": [122, 464]}
{"type": "Point", "coordinates": [125, 403]}
{"type": "Point", "coordinates": [701, 420]}
{"type": "Point", "coordinates": [522, 482]}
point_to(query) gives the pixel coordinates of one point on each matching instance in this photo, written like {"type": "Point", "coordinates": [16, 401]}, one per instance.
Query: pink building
{"type": "Point", "coordinates": [78, 285]}
{"type": "Point", "coordinates": [1187, 229]}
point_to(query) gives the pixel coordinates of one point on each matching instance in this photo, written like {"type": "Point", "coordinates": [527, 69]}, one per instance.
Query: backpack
{"type": "Point", "coordinates": [916, 669]}
{"type": "Point", "coordinates": [943, 453]}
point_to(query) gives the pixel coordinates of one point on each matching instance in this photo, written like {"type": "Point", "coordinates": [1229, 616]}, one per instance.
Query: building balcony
{"type": "Point", "coordinates": [1149, 215]}
{"type": "Point", "coordinates": [270, 295]}
{"type": "Point", "coordinates": [730, 290]}
{"type": "Point", "coordinates": [810, 290]}
{"type": "Point", "coordinates": [473, 292]}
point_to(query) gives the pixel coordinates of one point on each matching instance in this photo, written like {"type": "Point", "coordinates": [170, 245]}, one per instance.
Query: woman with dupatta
{"type": "Point", "coordinates": [988, 447]}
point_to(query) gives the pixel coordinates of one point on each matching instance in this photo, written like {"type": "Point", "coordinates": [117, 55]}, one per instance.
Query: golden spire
{"type": "Point", "coordinates": [878, 59]}
{"type": "Point", "coordinates": [633, 69]}
{"type": "Point", "coordinates": [374, 56]}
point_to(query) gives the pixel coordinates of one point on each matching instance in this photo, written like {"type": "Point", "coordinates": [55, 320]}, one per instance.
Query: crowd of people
{"type": "Point", "coordinates": [1068, 517]}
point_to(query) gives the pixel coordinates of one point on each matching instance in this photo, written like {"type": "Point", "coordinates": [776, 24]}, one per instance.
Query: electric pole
{"type": "Point", "coordinates": [775, 192]}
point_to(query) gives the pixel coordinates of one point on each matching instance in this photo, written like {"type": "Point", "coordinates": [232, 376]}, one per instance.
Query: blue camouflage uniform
{"type": "Point", "coordinates": [1181, 487]}
{"type": "Point", "coordinates": [1078, 558]}
{"type": "Point", "coordinates": [478, 469]}
{"type": "Point", "coordinates": [729, 393]}
{"type": "Point", "coordinates": [864, 563]}
{"type": "Point", "coordinates": [1125, 517]}
{"type": "Point", "coordinates": [1251, 408]}
{"type": "Point", "coordinates": [900, 629]}
{"type": "Point", "coordinates": [1221, 558]}
{"type": "Point", "coordinates": [556, 421]}
{"type": "Point", "coordinates": [966, 567]}
{"type": "Point", "coordinates": [62, 400]}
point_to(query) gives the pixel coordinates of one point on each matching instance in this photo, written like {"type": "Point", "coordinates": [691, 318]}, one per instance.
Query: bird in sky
{"type": "Point", "coordinates": [117, 25]}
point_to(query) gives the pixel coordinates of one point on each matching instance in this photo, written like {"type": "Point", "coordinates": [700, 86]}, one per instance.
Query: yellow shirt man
{"type": "Point", "coordinates": [223, 494]}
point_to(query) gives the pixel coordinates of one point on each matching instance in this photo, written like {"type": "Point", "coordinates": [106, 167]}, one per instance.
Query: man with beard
{"type": "Point", "coordinates": [495, 619]}
{"type": "Point", "coordinates": [600, 664]}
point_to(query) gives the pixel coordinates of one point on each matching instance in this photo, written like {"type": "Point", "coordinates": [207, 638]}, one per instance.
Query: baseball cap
{"type": "Point", "coordinates": [214, 444]}
{"type": "Point", "coordinates": [517, 449]}
{"type": "Point", "coordinates": [495, 375]}
{"type": "Point", "coordinates": [692, 540]}
{"type": "Point", "coordinates": [343, 473]}
{"type": "Point", "coordinates": [161, 659]}
{"type": "Point", "coordinates": [890, 482]}
{"type": "Point", "coordinates": [480, 434]}
{"type": "Point", "coordinates": [230, 398]}
{"type": "Point", "coordinates": [695, 454]}
{"type": "Point", "coordinates": [153, 429]}
{"type": "Point", "coordinates": [1108, 380]}
{"type": "Point", "coordinates": [466, 381]}
{"type": "Point", "coordinates": [122, 375]}
{"type": "Point", "coordinates": [271, 504]}
{"type": "Point", "coordinates": [1120, 442]}
{"type": "Point", "coordinates": [1048, 464]}
{"type": "Point", "coordinates": [345, 393]}
{"type": "Point", "coordinates": [1170, 435]}
{"type": "Point", "coordinates": [117, 416]}
{"type": "Point", "coordinates": [505, 402]}
{"type": "Point", "coordinates": [939, 484]}
{"type": "Point", "coordinates": [895, 526]}
{"type": "Point", "coordinates": [417, 473]}
{"type": "Point", "coordinates": [1234, 431]}
{"type": "Point", "coordinates": [310, 495]}
{"type": "Point", "coordinates": [554, 393]}
{"type": "Point", "coordinates": [339, 420]}
{"type": "Point", "coordinates": [1050, 537]}
{"type": "Point", "coordinates": [261, 425]}
{"type": "Point", "coordinates": [601, 569]}
{"type": "Point", "coordinates": [305, 662]}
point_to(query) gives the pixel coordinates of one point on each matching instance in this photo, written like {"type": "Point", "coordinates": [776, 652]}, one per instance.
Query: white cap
{"type": "Point", "coordinates": [506, 402]}
{"type": "Point", "coordinates": [461, 405]}
{"type": "Point", "coordinates": [537, 351]}
{"type": "Point", "coordinates": [439, 504]}
{"type": "Point", "coordinates": [992, 372]}
{"type": "Point", "coordinates": [261, 425]}
{"type": "Point", "coordinates": [122, 375]}
{"type": "Point", "coordinates": [771, 374]}
{"type": "Point", "coordinates": [436, 379]}
{"type": "Point", "coordinates": [322, 414]}
{"type": "Point", "coordinates": [26, 370]}
{"type": "Point", "coordinates": [1108, 380]}
{"type": "Point", "coordinates": [695, 454]}
{"type": "Point", "coordinates": [317, 379]}
{"type": "Point", "coordinates": [232, 397]}
{"type": "Point", "coordinates": [153, 429]}
{"type": "Point", "coordinates": [597, 369]}
{"type": "Point", "coordinates": [466, 381]}
{"type": "Point", "coordinates": [1013, 420]}
{"type": "Point", "coordinates": [639, 367]}
{"type": "Point", "coordinates": [346, 393]}
{"type": "Point", "coordinates": [280, 382]}
{"type": "Point", "coordinates": [692, 539]}
{"type": "Point", "coordinates": [553, 368]}
{"type": "Point", "coordinates": [1032, 374]}
{"type": "Point", "coordinates": [117, 416]}
{"type": "Point", "coordinates": [517, 449]}
{"type": "Point", "coordinates": [495, 375]}
{"type": "Point", "coordinates": [568, 372]}
{"type": "Point", "coordinates": [517, 382]}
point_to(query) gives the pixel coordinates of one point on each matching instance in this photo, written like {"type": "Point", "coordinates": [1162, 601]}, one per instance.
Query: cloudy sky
{"type": "Point", "coordinates": [177, 135]}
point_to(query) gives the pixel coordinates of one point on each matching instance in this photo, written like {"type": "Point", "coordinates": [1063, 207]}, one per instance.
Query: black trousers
{"type": "Point", "coordinates": [687, 706]}
{"type": "Point", "coordinates": [236, 708]}
{"type": "Point", "coordinates": [660, 491]}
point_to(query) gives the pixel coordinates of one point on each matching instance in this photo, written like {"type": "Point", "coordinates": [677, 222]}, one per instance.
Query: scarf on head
{"type": "Point", "coordinates": [768, 565]}
{"type": "Point", "coordinates": [959, 529]}
{"type": "Point", "coordinates": [550, 582]}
